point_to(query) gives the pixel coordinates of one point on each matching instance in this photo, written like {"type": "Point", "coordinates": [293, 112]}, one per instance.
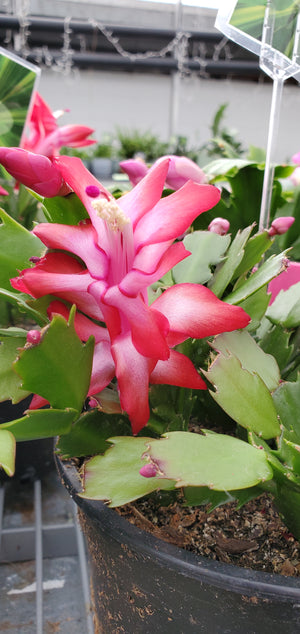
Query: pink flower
{"type": "Point", "coordinates": [296, 158]}
{"type": "Point", "coordinates": [3, 191]}
{"type": "Point", "coordinates": [46, 137]}
{"type": "Point", "coordinates": [286, 279]}
{"type": "Point", "coordinates": [123, 248]}
{"type": "Point", "coordinates": [281, 225]}
{"type": "Point", "coordinates": [181, 169]}
{"type": "Point", "coordinates": [34, 171]}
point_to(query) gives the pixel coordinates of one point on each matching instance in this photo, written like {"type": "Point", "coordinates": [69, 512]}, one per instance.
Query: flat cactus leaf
{"type": "Point", "coordinates": [115, 478]}
{"type": "Point", "coordinates": [225, 272]}
{"type": "Point", "coordinates": [89, 434]}
{"type": "Point", "coordinates": [41, 423]}
{"type": "Point", "coordinates": [7, 452]}
{"type": "Point", "coordinates": [287, 403]}
{"type": "Point", "coordinates": [289, 453]}
{"type": "Point", "coordinates": [217, 461]}
{"type": "Point", "coordinates": [254, 249]}
{"type": "Point", "coordinates": [66, 210]}
{"type": "Point", "coordinates": [10, 382]}
{"type": "Point", "coordinates": [17, 245]}
{"type": "Point", "coordinates": [285, 309]}
{"type": "Point", "coordinates": [59, 367]}
{"type": "Point", "coordinates": [276, 341]}
{"type": "Point", "coordinates": [252, 358]}
{"type": "Point", "coordinates": [282, 473]}
{"type": "Point", "coordinates": [255, 306]}
{"type": "Point", "coordinates": [25, 305]}
{"type": "Point", "coordinates": [207, 249]}
{"type": "Point", "coordinates": [265, 273]}
{"type": "Point", "coordinates": [244, 396]}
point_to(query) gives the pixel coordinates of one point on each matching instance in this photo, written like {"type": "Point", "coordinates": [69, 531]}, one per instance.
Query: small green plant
{"type": "Point", "coordinates": [146, 144]}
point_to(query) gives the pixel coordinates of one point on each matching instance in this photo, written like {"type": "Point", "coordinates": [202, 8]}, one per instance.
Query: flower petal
{"type": "Point", "coordinates": [132, 372]}
{"type": "Point", "coordinates": [37, 402]}
{"type": "Point", "coordinates": [136, 280]}
{"type": "Point", "coordinates": [84, 327]}
{"type": "Point", "coordinates": [173, 214]}
{"type": "Point", "coordinates": [80, 240]}
{"type": "Point", "coordinates": [61, 275]}
{"type": "Point", "coordinates": [140, 200]}
{"type": "Point", "coordinates": [103, 368]}
{"type": "Point", "coordinates": [193, 310]}
{"type": "Point", "coordinates": [177, 370]}
{"type": "Point", "coordinates": [148, 327]}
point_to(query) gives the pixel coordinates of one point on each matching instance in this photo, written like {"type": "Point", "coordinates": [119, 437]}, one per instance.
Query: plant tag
{"type": "Point", "coordinates": [18, 80]}
{"type": "Point", "coordinates": [269, 28]}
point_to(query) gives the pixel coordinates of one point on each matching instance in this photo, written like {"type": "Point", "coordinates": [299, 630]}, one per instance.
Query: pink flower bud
{"type": "Point", "coordinates": [219, 225]}
{"type": "Point", "coordinates": [296, 158]}
{"type": "Point", "coordinates": [135, 169]}
{"type": "Point", "coordinates": [32, 170]}
{"type": "Point", "coordinates": [182, 169]}
{"type": "Point", "coordinates": [281, 225]}
{"type": "Point", "coordinates": [3, 191]}
{"type": "Point", "coordinates": [149, 470]}
{"type": "Point", "coordinates": [93, 403]}
{"type": "Point", "coordinates": [295, 177]}
{"type": "Point", "coordinates": [33, 337]}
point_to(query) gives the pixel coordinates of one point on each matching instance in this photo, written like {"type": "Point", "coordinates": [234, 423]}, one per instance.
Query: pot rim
{"type": "Point", "coordinates": [234, 578]}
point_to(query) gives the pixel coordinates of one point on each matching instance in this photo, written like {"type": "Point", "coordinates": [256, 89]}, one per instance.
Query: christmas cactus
{"type": "Point", "coordinates": [137, 319]}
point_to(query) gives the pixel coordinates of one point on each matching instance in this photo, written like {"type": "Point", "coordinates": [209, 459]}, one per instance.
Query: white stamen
{"type": "Point", "coordinates": [110, 211]}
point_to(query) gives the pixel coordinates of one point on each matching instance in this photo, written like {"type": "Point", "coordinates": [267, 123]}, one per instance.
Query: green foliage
{"type": "Point", "coordinates": [133, 142]}
{"type": "Point", "coordinates": [7, 451]}
{"type": "Point", "coordinates": [10, 382]}
{"type": "Point", "coordinates": [242, 182]}
{"type": "Point", "coordinates": [41, 423]}
{"type": "Point", "coordinates": [89, 434]}
{"type": "Point", "coordinates": [207, 249]}
{"type": "Point", "coordinates": [58, 369]}
{"type": "Point", "coordinates": [67, 210]}
{"type": "Point", "coordinates": [105, 475]}
{"type": "Point", "coordinates": [17, 246]}
{"type": "Point", "coordinates": [285, 309]}
{"type": "Point", "coordinates": [243, 395]}
{"type": "Point", "coordinates": [224, 142]}
{"type": "Point", "coordinates": [182, 459]}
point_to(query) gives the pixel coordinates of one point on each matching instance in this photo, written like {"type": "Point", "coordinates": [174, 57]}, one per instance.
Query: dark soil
{"type": "Point", "coordinates": [252, 537]}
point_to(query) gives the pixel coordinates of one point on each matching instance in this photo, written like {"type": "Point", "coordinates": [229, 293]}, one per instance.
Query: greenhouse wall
{"type": "Point", "coordinates": [105, 100]}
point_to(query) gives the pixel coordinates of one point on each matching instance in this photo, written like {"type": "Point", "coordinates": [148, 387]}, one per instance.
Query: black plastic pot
{"type": "Point", "coordinates": [34, 458]}
{"type": "Point", "coordinates": [142, 585]}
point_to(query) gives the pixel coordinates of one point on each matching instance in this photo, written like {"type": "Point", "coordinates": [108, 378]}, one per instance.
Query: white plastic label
{"type": "Point", "coordinates": [18, 81]}
{"type": "Point", "coordinates": [269, 28]}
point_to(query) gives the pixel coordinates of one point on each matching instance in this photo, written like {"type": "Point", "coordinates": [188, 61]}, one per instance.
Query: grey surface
{"type": "Point", "coordinates": [43, 567]}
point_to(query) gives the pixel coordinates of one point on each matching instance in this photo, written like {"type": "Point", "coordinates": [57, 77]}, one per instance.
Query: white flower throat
{"type": "Point", "coordinates": [110, 211]}
{"type": "Point", "coordinates": [119, 232]}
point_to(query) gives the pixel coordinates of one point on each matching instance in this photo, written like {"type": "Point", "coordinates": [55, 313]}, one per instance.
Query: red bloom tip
{"type": "Point", "coordinates": [92, 191]}
{"type": "Point", "coordinates": [33, 337]}
{"type": "Point", "coordinates": [148, 470]}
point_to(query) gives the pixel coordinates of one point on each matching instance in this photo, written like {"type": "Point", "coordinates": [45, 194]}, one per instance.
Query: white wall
{"type": "Point", "coordinates": [105, 100]}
